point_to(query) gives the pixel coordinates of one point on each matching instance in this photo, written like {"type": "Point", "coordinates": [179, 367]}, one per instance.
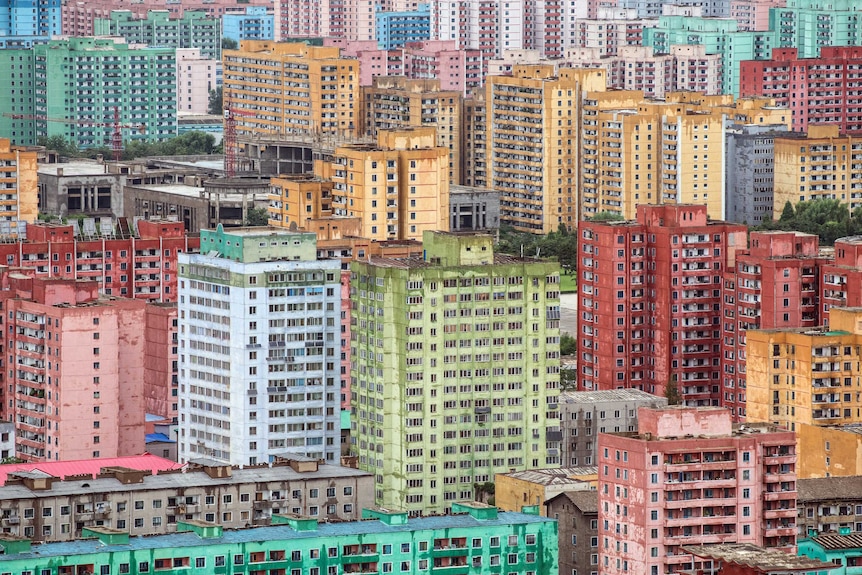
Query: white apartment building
{"type": "Point", "coordinates": [259, 348]}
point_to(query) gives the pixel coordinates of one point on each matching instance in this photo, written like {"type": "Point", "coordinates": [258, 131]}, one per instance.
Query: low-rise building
{"type": "Point", "coordinates": [577, 515]}
{"type": "Point", "coordinates": [516, 490]}
{"type": "Point", "coordinates": [829, 505]}
{"type": "Point", "coordinates": [473, 209]}
{"type": "Point", "coordinates": [842, 550]}
{"type": "Point", "coordinates": [748, 559]}
{"type": "Point", "coordinates": [38, 505]}
{"type": "Point", "coordinates": [475, 538]}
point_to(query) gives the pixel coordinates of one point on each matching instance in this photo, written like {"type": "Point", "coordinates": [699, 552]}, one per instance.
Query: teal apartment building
{"type": "Point", "coordinates": [844, 551]}
{"type": "Point", "coordinates": [811, 24]}
{"type": "Point", "coordinates": [71, 87]}
{"type": "Point", "coordinates": [477, 540]}
{"type": "Point", "coordinates": [455, 361]}
{"type": "Point", "coordinates": [194, 29]}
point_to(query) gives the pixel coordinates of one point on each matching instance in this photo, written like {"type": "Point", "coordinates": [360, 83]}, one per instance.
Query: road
{"type": "Point", "coordinates": [569, 313]}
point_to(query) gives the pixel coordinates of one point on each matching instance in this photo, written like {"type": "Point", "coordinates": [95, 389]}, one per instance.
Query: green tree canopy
{"type": "Point", "coordinates": [216, 102]}
{"type": "Point", "coordinates": [827, 218]}
{"type": "Point", "coordinates": [257, 217]}
{"type": "Point", "coordinates": [229, 44]}
{"type": "Point", "coordinates": [560, 245]}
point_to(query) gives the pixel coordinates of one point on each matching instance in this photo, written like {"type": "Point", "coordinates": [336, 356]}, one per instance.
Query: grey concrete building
{"type": "Point", "coordinates": [749, 178]}
{"type": "Point", "coordinates": [585, 414]}
{"type": "Point", "coordinates": [577, 515]}
{"type": "Point", "coordinates": [35, 505]}
{"type": "Point", "coordinates": [473, 209]}
{"type": "Point", "coordinates": [829, 504]}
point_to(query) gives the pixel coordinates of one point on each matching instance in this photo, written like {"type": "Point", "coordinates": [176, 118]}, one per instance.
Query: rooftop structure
{"type": "Point", "coordinates": [745, 558]}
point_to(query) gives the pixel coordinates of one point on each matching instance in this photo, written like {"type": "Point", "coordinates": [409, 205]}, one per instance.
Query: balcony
{"type": "Point", "coordinates": [450, 547]}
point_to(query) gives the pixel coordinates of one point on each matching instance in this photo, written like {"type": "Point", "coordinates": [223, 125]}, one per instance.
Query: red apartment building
{"type": "Point", "coordinates": [842, 277]}
{"type": "Point", "coordinates": [817, 91]}
{"type": "Point", "coordinates": [774, 284]}
{"type": "Point", "coordinates": [688, 476]}
{"type": "Point", "coordinates": [650, 295]}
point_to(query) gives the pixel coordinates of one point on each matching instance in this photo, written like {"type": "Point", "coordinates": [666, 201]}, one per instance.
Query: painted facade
{"type": "Point", "coordinates": [194, 29]}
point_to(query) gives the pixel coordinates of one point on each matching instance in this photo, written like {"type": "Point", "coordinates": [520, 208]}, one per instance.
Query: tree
{"type": "Point", "coordinates": [671, 392]}
{"type": "Point", "coordinates": [229, 44]}
{"type": "Point", "coordinates": [257, 217]}
{"type": "Point", "coordinates": [827, 218]}
{"type": "Point", "coordinates": [568, 345]}
{"type": "Point", "coordinates": [59, 144]}
{"type": "Point", "coordinates": [216, 102]}
{"type": "Point", "coordinates": [568, 379]}
{"type": "Point", "coordinates": [607, 217]}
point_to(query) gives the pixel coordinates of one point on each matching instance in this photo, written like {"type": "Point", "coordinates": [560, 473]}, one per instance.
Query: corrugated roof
{"type": "Point", "coordinates": [587, 501]}
{"type": "Point", "coordinates": [765, 560]}
{"type": "Point", "coordinates": [559, 476]}
{"type": "Point", "coordinates": [833, 541]}
{"type": "Point", "coordinates": [610, 395]}
{"type": "Point", "coordinates": [823, 488]}
{"type": "Point", "coordinates": [92, 467]}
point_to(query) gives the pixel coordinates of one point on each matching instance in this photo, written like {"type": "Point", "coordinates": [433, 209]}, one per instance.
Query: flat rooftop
{"type": "Point", "coordinates": [608, 396]}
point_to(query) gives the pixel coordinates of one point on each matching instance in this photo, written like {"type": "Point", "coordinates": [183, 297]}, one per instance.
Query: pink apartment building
{"type": "Point", "coordinates": [78, 15]}
{"type": "Point", "coordinates": [753, 14]}
{"type": "Point", "coordinates": [196, 76]}
{"type": "Point", "coordinates": [160, 360]}
{"type": "Point", "coordinates": [74, 386]}
{"type": "Point", "coordinates": [689, 476]}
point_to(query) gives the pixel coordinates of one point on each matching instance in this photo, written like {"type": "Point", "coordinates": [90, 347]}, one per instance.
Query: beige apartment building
{"type": "Point", "coordinates": [40, 507]}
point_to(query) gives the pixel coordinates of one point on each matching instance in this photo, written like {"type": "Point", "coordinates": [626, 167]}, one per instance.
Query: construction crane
{"type": "Point", "coordinates": [116, 135]}
{"type": "Point", "coordinates": [231, 145]}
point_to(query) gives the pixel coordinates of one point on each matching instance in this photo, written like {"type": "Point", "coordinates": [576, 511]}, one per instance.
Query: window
{"type": "Point", "coordinates": [405, 548]}
{"type": "Point", "coordinates": [200, 562]}
{"type": "Point", "coordinates": [512, 558]}
{"type": "Point", "coordinates": [144, 567]}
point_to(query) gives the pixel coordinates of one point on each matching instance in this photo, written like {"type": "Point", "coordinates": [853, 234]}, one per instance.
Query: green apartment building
{"type": "Point", "coordinates": [75, 84]}
{"type": "Point", "coordinates": [478, 540]}
{"type": "Point", "coordinates": [455, 361]}
{"type": "Point", "coordinates": [811, 24]}
{"type": "Point", "coordinates": [194, 29]}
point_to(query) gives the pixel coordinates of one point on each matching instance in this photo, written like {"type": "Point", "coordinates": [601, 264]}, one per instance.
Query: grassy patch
{"type": "Point", "coordinates": [568, 283]}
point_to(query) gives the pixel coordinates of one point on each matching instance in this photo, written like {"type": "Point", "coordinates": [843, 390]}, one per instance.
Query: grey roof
{"type": "Point", "coordinates": [587, 501]}
{"type": "Point", "coordinates": [176, 480]}
{"type": "Point", "coordinates": [280, 532]}
{"type": "Point", "coordinates": [608, 395]}
{"type": "Point", "coordinates": [762, 559]}
{"type": "Point", "coordinates": [823, 488]}
{"type": "Point", "coordinates": [831, 541]}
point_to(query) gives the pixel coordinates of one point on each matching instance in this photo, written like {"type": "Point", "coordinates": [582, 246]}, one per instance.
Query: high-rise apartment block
{"type": "Point", "coordinates": [256, 23]}
{"type": "Point", "coordinates": [259, 341]}
{"type": "Point", "coordinates": [394, 29]}
{"type": "Point", "coordinates": [455, 370]}
{"type": "Point", "coordinates": [195, 29]}
{"type": "Point", "coordinates": [399, 187]}
{"type": "Point", "coordinates": [772, 285]}
{"type": "Point", "coordinates": [393, 102]}
{"type": "Point", "coordinates": [19, 201]}
{"type": "Point", "coordinates": [810, 25]}
{"type": "Point", "coordinates": [475, 162]}
{"type": "Point", "coordinates": [74, 387]}
{"type": "Point", "coordinates": [841, 279]}
{"type": "Point", "coordinates": [818, 90]}
{"type": "Point", "coordinates": [283, 88]}
{"type": "Point", "coordinates": [688, 476]}
{"type": "Point", "coordinates": [823, 165]}
{"type": "Point", "coordinates": [533, 128]}
{"type": "Point", "coordinates": [650, 292]}
{"type": "Point", "coordinates": [31, 18]}
{"type": "Point", "coordinates": [197, 76]}
{"type": "Point", "coordinates": [753, 14]}
{"type": "Point", "coordinates": [610, 30]}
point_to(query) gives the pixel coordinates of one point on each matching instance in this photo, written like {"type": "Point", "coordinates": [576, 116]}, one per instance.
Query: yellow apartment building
{"type": "Point", "coordinates": [19, 201]}
{"type": "Point", "coordinates": [822, 165]}
{"type": "Point", "coordinates": [398, 102]}
{"type": "Point", "coordinates": [278, 89]}
{"type": "Point", "coordinates": [398, 187]}
{"type": "Point", "coordinates": [296, 198]}
{"type": "Point", "coordinates": [533, 124]}
{"type": "Point", "coordinates": [833, 451]}
{"type": "Point", "coordinates": [518, 489]}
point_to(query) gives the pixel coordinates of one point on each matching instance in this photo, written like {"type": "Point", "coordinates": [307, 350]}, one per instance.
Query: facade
{"type": "Point", "coordinates": [839, 550]}
{"type": "Point", "coordinates": [585, 414]}
{"type": "Point", "coordinates": [805, 169]}
{"type": "Point", "coordinates": [608, 30]}
{"type": "Point", "coordinates": [97, 367]}
{"type": "Point", "coordinates": [753, 14]}
{"type": "Point", "coordinates": [517, 490]}
{"type": "Point", "coordinates": [829, 505]}
{"type": "Point", "coordinates": [297, 198]}
{"type": "Point", "coordinates": [110, 77]}
{"type": "Point", "coordinates": [256, 23]}
{"type": "Point", "coordinates": [414, 171]}
{"type": "Point", "coordinates": [816, 98]}
{"type": "Point", "coordinates": [195, 29]}
{"type": "Point", "coordinates": [307, 19]}
{"type": "Point", "coordinates": [527, 544]}
{"type": "Point", "coordinates": [273, 292]}
{"type": "Point", "coordinates": [197, 76]}
{"type": "Point", "coordinates": [810, 25]}
{"type": "Point", "coordinates": [689, 477]}
{"type": "Point", "coordinates": [650, 291]}
{"type": "Point", "coordinates": [577, 515]}
{"type": "Point", "coordinates": [79, 15]}
{"type": "Point", "coordinates": [749, 172]}
{"type": "Point", "coordinates": [398, 102]}
{"type": "Point", "coordinates": [842, 279]}
{"type": "Point", "coordinates": [161, 357]}
{"type": "Point", "coordinates": [140, 263]}
{"type": "Point", "coordinates": [403, 401]}
{"type": "Point", "coordinates": [31, 18]}
{"type": "Point", "coordinates": [146, 504]}
{"type": "Point", "coordinates": [535, 171]}
{"type": "Point", "coordinates": [395, 29]}
{"type": "Point", "coordinates": [473, 209]}
{"type": "Point", "coordinates": [20, 200]}
{"type": "Point", "coordinates": [325, 104]}
{"type": "Point", "coordinates": [474, 148]}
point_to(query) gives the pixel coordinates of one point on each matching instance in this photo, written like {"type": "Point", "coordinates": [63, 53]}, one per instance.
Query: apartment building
{"type": "Point", "coordinates": [585, 414]}
{"type": "Point", "coordinates": [398, 102]}
{"type": "Point", "coordinates": [474, 148]}
{"type": "Point", "coordinates": [96, 366]}
{"type": "Point", "coordinates": [822, 87]}
{"type": "Point", "coordinates": [394, 29]}
{"type": "Point", "coordinates": [577, 515]}
{"type": "Point", "coordinates": [824, 164]}
{"type": "Point", "coordinates": [272, 291]}
{"type": "Point", "coordinates": [144, 503]}
{"type": "Point", "coordinates": [282, 88]}
{"type": "Point", "coordinates": [161, 360]}
{"type": "Point", "coordinates": [256, 23]}
{"type": "Point", "coordinates": [753, 14]}
{"type": "Point", "coordinates": [297, 198]}
{"type": "Point", "coordinates": [650, 292]}
{"type": "Point", "coordinates": [810, 25]}
{"type": "Point", "coordinates": [19, 203]}
{"type": "Point", "coordinates": [78, 16]}
{"type": "Point", "coordinates": [527, 544]}
{"type": "Point", "coordinates": [829, 505]}
{"type": "Point", "coordinates": [308, 19]}
{"type": "Point", "coordinates": [31, 18]}
{"type": "Point", "coordinates": [197, 76]}
{"type": "Point", "coordinates": [519, 490]}
{"type": "Point", "coordinates": [610, 29]}
{"type": "Point", "coordinates": [749, 172]}
{"type": "Point", "coordinates": [532, 144]}
{"type": "Point", "coordinates": [841, 280]}
{"type": "Point", "coordinates": [194, 29]}
{"type": "Point", "coordinates": [688, 476]}
{"type": "Point", "coordinates": [461, 275]}
{"type": "Point", "coordinates": [773, 285]}
{"type": "Point", "coordinates": [399, 187]}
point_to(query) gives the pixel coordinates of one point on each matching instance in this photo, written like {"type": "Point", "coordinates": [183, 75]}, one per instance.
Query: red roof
{"type": "Point", "coordinates": [92, 467]}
